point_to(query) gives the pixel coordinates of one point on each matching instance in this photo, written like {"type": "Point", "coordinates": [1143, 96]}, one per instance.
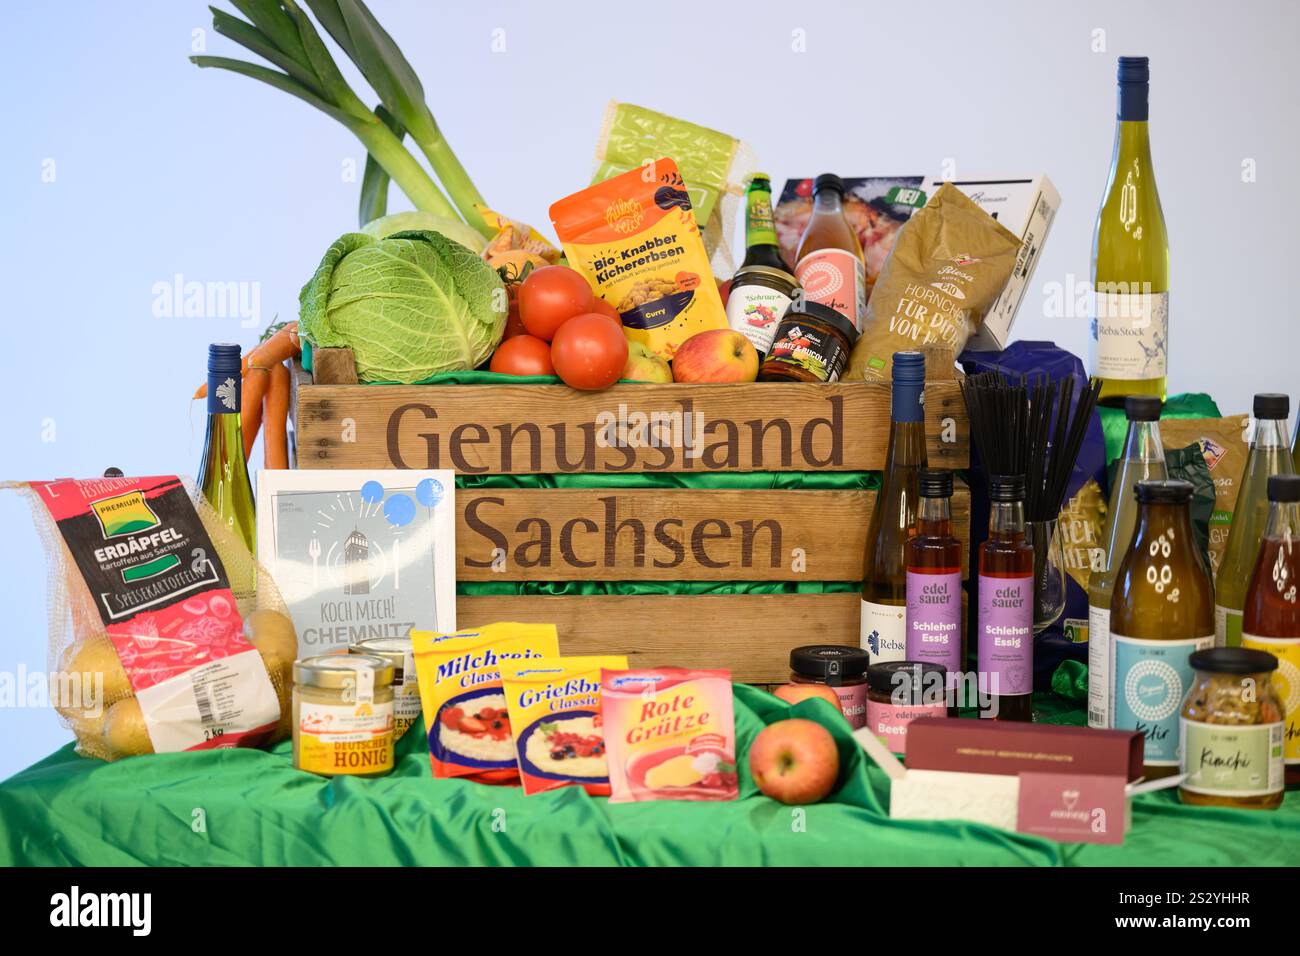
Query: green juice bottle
{"type": "Point", "coordinates": [1267, 457]}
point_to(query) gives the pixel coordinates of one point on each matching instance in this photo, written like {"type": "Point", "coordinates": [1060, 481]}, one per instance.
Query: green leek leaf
{"type": "Point", "coordinates": [331, 79]}
{"type": "Point", "coordinates": [374, 182]}
{"type": "Point", "coordinates": [280, 81]}
{"type": "Point", "coordinates": [276, 25]}
{"type": "Point", "coordinates": [253, 39]}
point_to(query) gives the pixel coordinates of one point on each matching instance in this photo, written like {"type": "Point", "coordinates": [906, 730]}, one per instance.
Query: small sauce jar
{"type": "Point", "coordinates": [840, 667]}
{"type": "Point", "coordinates": [812, 344]}
{"type": "Point", "coordinates": [758, 298]}
{"type": "Point", "coordinates": [1231, 731]}
{"type": "Point", "coordinates": [343, 715]}
{"type": "Point", "coordinates": [406, 687]}
{"type": "Point", "coordinates": [898, 692]}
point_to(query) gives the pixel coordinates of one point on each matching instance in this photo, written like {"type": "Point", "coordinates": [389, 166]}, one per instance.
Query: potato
{"type": "Point", "coordinates": [272, 634]}
{"type": "Point", "coordinates": [95, 657]}
{"type": "Point", "coordinates": [125, 733]}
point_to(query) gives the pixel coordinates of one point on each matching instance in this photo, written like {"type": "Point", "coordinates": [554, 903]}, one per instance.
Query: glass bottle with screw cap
{"type": "Point", "coordinates": [1162, 611]}
{"type": "Point", "coordinates": [761, 245]}
{"type": "Point", "coordinates": [1267, 456]}
{"type": "Point", "coordinates": [1006, 604]}
{"type": "Point", "coordinates": [1143, 459]}
{"type": "Point", "coordinates": [884, 581]}
{"type": "Point", "coordinates": [934, 577]}
{"type": "Point", "coordinates": [829, 263]}
{"type": "Point", "coordinates": [1271, 618]}
{"type": "Point", "coordinates": [1231, 731]}
{"type": "Point", "coordinates": [223, 470]}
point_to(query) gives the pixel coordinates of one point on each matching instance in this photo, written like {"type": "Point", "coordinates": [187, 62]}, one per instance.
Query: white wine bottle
{"type": "Point", "coordinates": [1130, 257]}
{"type": "Point", "coordinates": [223, 472]}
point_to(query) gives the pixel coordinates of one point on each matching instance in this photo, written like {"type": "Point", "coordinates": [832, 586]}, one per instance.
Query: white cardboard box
{"type": "Point", "coordinates": [1027, 207]}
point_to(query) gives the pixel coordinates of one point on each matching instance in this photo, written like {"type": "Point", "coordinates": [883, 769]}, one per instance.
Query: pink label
{"type": "Point", "coordinates": [889, 721]}
{"type": "Point", "coordinates": [1006, 633]}
{"type": "Point", "coordinates": [853, 701]}
{"type": "Point", "coordinates": [934, 618]}
{"type": "Point", "coordinates": [835, 278]}
{"type": "Point", "coordinates": [1072, 808]}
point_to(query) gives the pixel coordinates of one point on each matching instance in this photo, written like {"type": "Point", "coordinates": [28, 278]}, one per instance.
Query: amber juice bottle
{"type": "Point", "coordinates": [1161, 612]}
{"type": "Point", "coordinates": [829, 264]}
{"type": "Point", "coordinates": [934, 629]}
{"type": "Point", "coordinates": [1006, 604]}
{"type": "Point", "coordinates": [1271, 617]}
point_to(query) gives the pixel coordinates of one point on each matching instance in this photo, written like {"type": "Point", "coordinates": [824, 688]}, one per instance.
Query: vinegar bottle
{"type": "Point", "coordinates": [829, 263]}
{"type": "Point", "coordinates": [934, 578]}
{"type": "Point", "coordinates": [1143, 459]}
{"type": "Point", "coordinates": [1161, 612]}
{"type": "Point", "coordinates": [1130, 256]}
{"type": "Point", "coordinates": [223, 470]}
{"type": "Point", "coordinates": [1006, 604]}
{"type": "Point", "coordinates": [1271, 617]}
{"type": "Point", "coordinates": [1267, 456]}
{"type": "Point", "coordinates": [883, 630]}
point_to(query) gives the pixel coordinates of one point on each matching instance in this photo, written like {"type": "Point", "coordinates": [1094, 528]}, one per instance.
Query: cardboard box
{"type": "Point", "coordinates": [1027, 207]}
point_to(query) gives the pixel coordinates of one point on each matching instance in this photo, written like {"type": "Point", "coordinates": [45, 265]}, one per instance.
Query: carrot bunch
{"type": "Point", "coordinates": [266, 394]}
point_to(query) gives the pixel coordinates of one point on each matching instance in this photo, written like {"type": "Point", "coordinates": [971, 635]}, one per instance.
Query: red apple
{"type": "Point", "coordinates": [718, 355]}
{"type": "Point", "coordinates": [794, 761]}
{"type": "Point", "coordinates": [793, 693]}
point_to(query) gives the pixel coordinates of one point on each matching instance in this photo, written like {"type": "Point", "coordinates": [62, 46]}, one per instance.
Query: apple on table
{"type": "Point", "coordinates": [794, 761]}
{"type": "Point", "coordinates": [717, 355]}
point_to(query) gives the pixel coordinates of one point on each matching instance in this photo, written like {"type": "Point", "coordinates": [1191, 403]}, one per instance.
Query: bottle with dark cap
{"type": "Point", "coordinates": [1130, 256]}
{"type": "Point", "coordinates": [1143, 459]}
{"type": "Point", "coordinates": [1161, 612]}
{"type": "Point", "coordinates": [761, 247]}
{"type": "Point", "coordinates": [1268, 456]}
{"type": "Point", "coordinates": [1006, 604]}
{"type": "Point", "coordinates": [1271, 617]}
{"type": "Point", "coordinates": [223, 470]}
{"type": "Point", "coordinates": [884, 564]}
{"type": "Point", "coordinates": [829, 263]}
{"type": "Point", "coordinates": [934, 577]}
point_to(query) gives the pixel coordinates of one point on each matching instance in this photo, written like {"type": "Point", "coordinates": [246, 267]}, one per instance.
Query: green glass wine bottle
{"type": "Point", "coordinates": [1130, 256]}
{"type": "Point", "coordinates": [223, 471]}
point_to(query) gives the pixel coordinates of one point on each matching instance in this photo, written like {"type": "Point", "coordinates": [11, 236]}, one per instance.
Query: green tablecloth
{"type": "Point", "coordinates": [237, 807]}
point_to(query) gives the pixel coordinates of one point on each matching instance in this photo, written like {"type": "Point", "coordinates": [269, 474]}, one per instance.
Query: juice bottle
{"type": "Point", "coordinates": [934, 578]}
{"type": "Point", "coordinates": [1267, 456]}
{"type": "Point", "coordinates": [1143, 459]}
{"type": "Point", "coordinates": [829, 264]}
{"type": "Point", "coordinates": [1271, 617]}
{"type": "Point", "coordinates": [1006, 603]}
{"type": "Point", "coordinates": [1161, 612]}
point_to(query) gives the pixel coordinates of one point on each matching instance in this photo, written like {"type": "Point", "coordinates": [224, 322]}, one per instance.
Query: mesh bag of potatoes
{"type": "Point", "coordinates": [164, 632]}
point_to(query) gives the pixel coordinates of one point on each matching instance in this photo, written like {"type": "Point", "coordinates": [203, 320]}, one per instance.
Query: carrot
{"type": "Point", "coordinates": [280, 347]}
{"type": "Point", "coordinates": [275, 444]}
{"type": "Point", "coordinates": [250, 415]}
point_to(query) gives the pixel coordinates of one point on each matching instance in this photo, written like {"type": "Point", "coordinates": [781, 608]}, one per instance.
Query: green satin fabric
{"type": "Point", "coordinates": [246, 807]}
{"type": "Point", "coordinates": [1114, 424]}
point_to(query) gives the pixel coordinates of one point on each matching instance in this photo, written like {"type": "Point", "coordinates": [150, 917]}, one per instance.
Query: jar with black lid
{"type": "Point", "coordinates": [840, 667]}
{"type": "Point", "coordinates": [812, 344]}
{"type": "Point", "coordinates": [898, 692]}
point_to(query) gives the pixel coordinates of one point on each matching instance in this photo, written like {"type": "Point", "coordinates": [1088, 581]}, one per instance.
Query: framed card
{"type": "Point", "coordinates": [359, 554]}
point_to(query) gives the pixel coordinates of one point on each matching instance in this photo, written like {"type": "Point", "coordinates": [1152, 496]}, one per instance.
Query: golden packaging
{"type": "Point", "coordinates": [406, 683]}
{"type": "Point", "coordinates": [343, 715]}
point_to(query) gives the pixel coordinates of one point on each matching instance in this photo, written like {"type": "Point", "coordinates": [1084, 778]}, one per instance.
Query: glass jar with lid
{"type": "Point", "coordinates": [1231, 731]}
{"type": "Point", "coordinates": [842, 668]}
{"type": "Point", "coordinates": [406, 687]}
{"type": "Point", "coordinates": [343, 715]}
{"type": "Point", "coordinates": [898, 692]}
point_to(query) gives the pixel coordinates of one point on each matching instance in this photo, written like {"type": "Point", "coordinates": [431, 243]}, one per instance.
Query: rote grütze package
{"type": "Point", "coordinates": [669, 734]}
{"type": "Point", "coordinates": [554, 706]}
{"type": "Point", "coordinates": [151, 648]}
{"type": "Point", "coordinates": [465, 711]}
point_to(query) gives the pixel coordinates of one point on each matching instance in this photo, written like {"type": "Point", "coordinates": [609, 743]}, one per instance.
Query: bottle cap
{"type": "Point", "coordinates": [223, 359]}
{"type": "Point", "coordinates": [760, 178]}
{"type": "Point", "coordinates": [832, 663]}
{"type": "Point", "coordinates": [1233, 660]}
{"type": "Point", "coordinates": [935, 483]}
{"type": "Point", "coordinates": [1142, 408]}
{"type": "Point", "coordinates": [909, 368]}
{"type": "Point", "coordinates": [1174, 491]}
{"type": "Point", "coordinates": [1134, 69]}
{"type": "Point", "coordinates": [828, 181]}
{"type": "Point", "coordinates": [1272, 406]}
{"type": "Point", "coordinates": [1285, 488]}
{"type": "Point", "coordinates": [1007, 488]}
{"type": "Point", "coordinates": [881, 680]}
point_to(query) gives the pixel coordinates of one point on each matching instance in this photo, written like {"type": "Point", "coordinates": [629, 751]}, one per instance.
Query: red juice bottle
{"type": "Point", "coordinates": [934, 578]}
{"type": "Point", "coordinates": [1006, 604]}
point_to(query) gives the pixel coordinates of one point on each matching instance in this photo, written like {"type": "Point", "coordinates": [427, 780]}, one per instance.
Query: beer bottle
{"type": "Point", "coordinates": [761, 247]}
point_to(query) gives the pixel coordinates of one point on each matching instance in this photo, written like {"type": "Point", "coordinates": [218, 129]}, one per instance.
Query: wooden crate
{"type": "Point", "coordinates": [616, 533]}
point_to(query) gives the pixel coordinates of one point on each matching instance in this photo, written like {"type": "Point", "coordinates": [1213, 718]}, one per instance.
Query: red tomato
{"type": "Point", "coordinates": [550, 296]}
{"type": "Point", "coordinates": [589, 352]}
{"type": "Point", "coordinates": [514, 325]}
{"type": "Point", "coordinates": [523, 355]}
{"type": "Point", "coordinates": [601, 307]}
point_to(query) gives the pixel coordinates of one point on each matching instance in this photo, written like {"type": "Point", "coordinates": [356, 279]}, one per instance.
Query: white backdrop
{"type": "Point", "coordinates": [123, 166]}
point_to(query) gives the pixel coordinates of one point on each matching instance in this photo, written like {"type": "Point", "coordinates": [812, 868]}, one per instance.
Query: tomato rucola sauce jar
{"type": "Point", "coordinates": [898, 692]}
{"type": "Point", "coordinates": [842, 668]}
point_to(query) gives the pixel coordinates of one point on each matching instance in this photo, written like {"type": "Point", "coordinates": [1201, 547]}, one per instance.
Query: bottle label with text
{"type": "Point", "coordinates": [1151, 679]}
{"type": "Point", "coordinates": [1130, 335]}
{"type": "Point", "coordinates": [1227, 626]}
{"type": "Point", "coordinates": [1006, 634]}
{"type": "Point", "coordinates": [1226, 761]}
{"type": "Point", "coordinates": [934, 618]}
{"type": "Point", "coordinates": [835, 278]}
{"type": "Point", "coordinates": [1099, 690]}
{"type": "Point", "coordinates": [883, 632]}
{"type": "Point", "coordinates": [1286, 681]}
